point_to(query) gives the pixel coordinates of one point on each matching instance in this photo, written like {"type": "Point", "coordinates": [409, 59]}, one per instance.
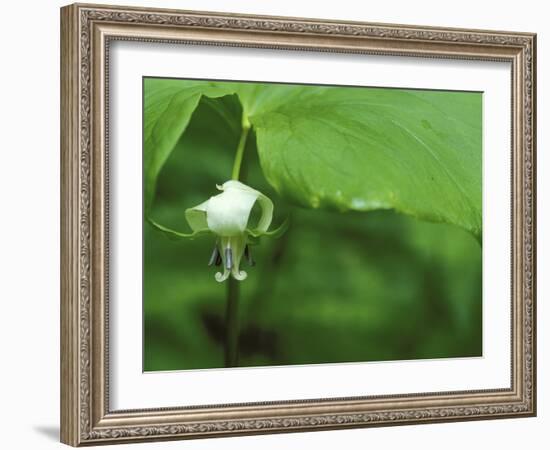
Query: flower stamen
{"type": "Point", "coordinates": [248, 256]}
{"type": "Point", "coordinates": [215, 256]}
{"type": "Point", "coordinates": [228, 258]}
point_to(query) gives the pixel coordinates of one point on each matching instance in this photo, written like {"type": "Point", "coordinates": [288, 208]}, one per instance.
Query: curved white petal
{"type": "Point", "coordinates": [235, 184]}
{"type": "Point", "coordinates": [266, 206]}
{"type": "Point", "coordinates": [222, 276]}
{"type": "Point", "coordinates": [227, 213]}
{"type": "Point", "coordinates": [196, 216]}
{"type": "Point", "coordinates": [239, 275]}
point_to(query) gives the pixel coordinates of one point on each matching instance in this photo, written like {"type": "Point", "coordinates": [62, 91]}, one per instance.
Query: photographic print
{"type": "Point", "coordinates": [292, 224]}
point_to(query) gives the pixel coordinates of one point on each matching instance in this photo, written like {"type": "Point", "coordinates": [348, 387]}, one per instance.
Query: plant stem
{"type": "Point", "coordinates": [232, 305]}
{"type": "Point", "coordinates": [232, 323]}
{"type": "Point", "coordinates": [240, 149]}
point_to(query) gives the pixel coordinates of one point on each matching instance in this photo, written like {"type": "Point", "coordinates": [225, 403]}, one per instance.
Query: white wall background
{"type": "Point", "coordinates": [29, 225]}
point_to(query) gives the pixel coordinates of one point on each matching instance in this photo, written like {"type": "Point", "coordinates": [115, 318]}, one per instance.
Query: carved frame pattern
{"type": "Point", "coordinates": [86, 33]}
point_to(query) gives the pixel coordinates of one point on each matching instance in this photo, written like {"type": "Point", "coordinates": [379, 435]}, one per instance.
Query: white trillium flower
{"type": "Point", "coordinates": [227, 215]}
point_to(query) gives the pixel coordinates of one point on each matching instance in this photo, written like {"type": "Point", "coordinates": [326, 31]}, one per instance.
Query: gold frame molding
{"type": "Point", "coordinates": [86, 31]}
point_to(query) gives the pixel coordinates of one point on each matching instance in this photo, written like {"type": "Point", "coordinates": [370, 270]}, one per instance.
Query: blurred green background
{"type": "Point", "coordinates": [337, 287]}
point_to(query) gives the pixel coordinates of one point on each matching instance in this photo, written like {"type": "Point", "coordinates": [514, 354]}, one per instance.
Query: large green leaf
{"type": "Point", "coordinates": [418, 152]}
{"type": "Point", "coordinates": [345, 148]}
{"type": "Point", "coordinates": [167, 109]}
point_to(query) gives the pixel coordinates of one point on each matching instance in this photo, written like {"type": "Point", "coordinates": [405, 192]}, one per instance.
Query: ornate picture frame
{"type": "Point", "coordinates": [87, 32]}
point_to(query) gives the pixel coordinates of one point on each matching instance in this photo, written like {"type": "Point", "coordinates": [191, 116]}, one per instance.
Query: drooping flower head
{"type": "Point", "coordinates": [227, 215]}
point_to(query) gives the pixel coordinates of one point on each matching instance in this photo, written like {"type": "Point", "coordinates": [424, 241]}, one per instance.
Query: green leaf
{"type": "Point", "coordinates": [417, 152]}
{"type": "Point", "coordinates": [167, 108]}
